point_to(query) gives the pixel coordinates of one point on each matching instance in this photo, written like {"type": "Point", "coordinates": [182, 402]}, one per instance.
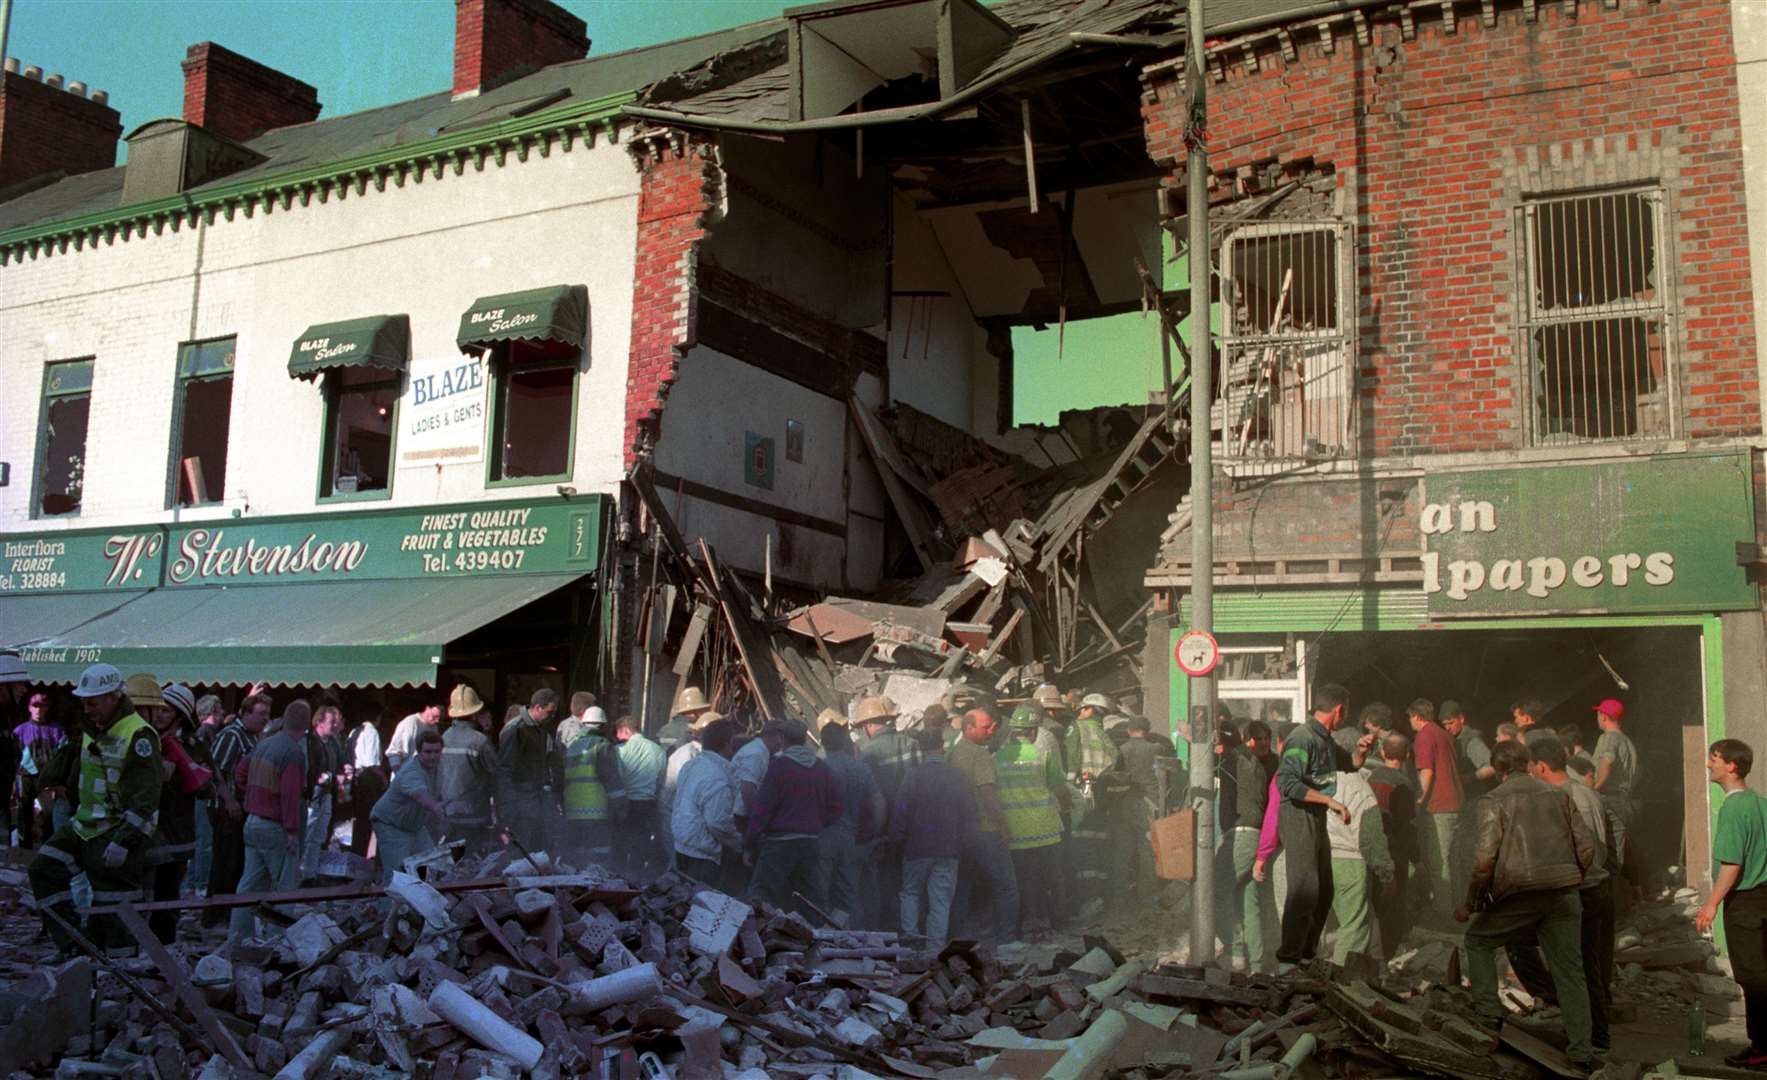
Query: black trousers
{"type": "Point", "coordinates": [1302, 829]}
{"type": "Point", "coordinates": [226, 864]}
{"type": "Point", "coordinates": [704, 871]}
{"type": "Point", "coordinates": [168, 884]}
{"type": "Point", "coordinates": [1745, 931]}
{"type": "Point", "coordinates": [1598, 961]}
{"type": "Point", "coordinates": [1392, 913]}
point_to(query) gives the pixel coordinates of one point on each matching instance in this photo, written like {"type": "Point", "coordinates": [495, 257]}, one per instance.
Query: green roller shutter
{"type": "Point", "coordinates": [1315, 610]}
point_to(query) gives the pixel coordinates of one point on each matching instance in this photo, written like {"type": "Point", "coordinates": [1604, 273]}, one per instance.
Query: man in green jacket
{"type": "Point", "coordinates": [119, 797]}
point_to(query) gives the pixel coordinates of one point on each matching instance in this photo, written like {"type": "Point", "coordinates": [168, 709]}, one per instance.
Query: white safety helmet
{"type": "Point", "coordinates": [99, 680]}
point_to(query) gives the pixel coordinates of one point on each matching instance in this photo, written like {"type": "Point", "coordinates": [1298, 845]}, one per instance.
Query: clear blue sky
{"type": "Point", "coordinates": [358, 53]}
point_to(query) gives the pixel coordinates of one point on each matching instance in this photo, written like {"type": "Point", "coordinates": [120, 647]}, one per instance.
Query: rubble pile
{"type": "Point", "coordinates": [529, 969]}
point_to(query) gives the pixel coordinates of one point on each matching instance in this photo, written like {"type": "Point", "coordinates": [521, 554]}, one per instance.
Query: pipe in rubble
{"type": "Point", "coordinates": [1282, 1069]}
{"type": "Point", "coordinates": [1092, 1047]}
{"type": "Point", "coordinates": [633, 984]}
{"type": "Point", "coordinates": [453, 1004]}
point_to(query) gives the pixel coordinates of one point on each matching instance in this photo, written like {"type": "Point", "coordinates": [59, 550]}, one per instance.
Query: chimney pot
{"type": "Point", "coordinates": [498, 41]}
{"type": "Point", "coordinates": [57, 131]}
{"type": "Point", "coordinates": [77, 88]}
{"type": "Point", "coordinates": [101, 96]}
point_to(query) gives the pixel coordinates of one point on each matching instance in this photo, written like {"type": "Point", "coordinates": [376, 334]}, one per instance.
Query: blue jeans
{"type": "Point", "coordinates": [939, 878]}
{"type": "Point", "coordinates": [843, 859]}
{"type": "Point", "coordinates": [986, 859]}
{"type": "Point", "coordinates": [269, 867]}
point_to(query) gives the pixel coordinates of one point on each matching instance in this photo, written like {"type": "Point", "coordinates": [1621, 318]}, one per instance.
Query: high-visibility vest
{"type": "Point", "coordinates": [1031, 818]}
{"type": "Point", "coordinates": [101, 775]}
{"type": "Point", "coordinates": [585, 799]}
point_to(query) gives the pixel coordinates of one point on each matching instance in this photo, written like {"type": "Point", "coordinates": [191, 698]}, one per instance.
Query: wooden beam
{"type": "Point", "coordinates": [1024, 112]}
{"type": "Point", "coordinates": [882, 452]}
{"type": "Point", "coordinates": [198, 1007]}
{"type": "Point", "coordinates": [360, 892]}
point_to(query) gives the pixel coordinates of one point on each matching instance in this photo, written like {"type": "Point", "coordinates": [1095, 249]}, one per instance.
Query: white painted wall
{"type": "Point", "coordinates": [715, 401]}
{"type": "Point", "coordinates": [1749, 35]}
{"type": "Point", "coordinates": [933, 340]}
{"type": "Point", "coordinates": [428, 249]}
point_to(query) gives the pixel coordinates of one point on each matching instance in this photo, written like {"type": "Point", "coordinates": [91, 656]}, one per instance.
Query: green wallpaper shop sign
{"type": "Point", "coordinates": [1651, 535]}
{"type": "Point", "coordinates": [545, 536]}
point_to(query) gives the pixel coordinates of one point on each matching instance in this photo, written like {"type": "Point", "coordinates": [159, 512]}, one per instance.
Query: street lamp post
{"type": "Point", "coordinates": [1202, 568]}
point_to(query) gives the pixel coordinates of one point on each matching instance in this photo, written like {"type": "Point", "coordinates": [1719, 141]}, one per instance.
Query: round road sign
{"type": "Point", "coordinates": [1197, 653]}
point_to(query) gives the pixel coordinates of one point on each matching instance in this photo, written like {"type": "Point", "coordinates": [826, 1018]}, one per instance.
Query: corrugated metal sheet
{"type": "Point", "coordinates": [374, 633]}
{"type": "Point", "coordinates": [1314, 611]}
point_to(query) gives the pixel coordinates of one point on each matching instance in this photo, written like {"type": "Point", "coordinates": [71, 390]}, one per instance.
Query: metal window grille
{"type": "Point", "coordinates": [1287, 359]}
{"type": "Point", "coordinates": [1595, 318]}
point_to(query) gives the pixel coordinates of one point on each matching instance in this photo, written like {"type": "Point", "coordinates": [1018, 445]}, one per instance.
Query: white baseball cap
{"type": "Point", "coordinates": [98, 680]}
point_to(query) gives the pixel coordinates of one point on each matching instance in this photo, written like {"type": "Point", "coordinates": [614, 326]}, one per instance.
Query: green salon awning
{"type": "Point", "coordinates": [372, 633]}
{"type": "Point", "coordinates": [556, 313]}
{"type": "Point", "coordinates": [380, 341]}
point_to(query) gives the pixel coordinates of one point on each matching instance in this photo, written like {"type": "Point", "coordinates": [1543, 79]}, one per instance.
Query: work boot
{"type": "Point", "coordinates": [1748, 1058]}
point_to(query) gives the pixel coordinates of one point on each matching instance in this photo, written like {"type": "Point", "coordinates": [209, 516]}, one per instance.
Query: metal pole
{"type": "Point", "coordinates": [5, 27]}
{"type": "Point", "coordinates": [1202, 560]}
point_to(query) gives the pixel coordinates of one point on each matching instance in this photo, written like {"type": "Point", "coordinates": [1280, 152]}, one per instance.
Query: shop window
{"type": "Point", "coordinates": [1595, 314]}
{"type": "Point", "coordinates": [1286, 363]}
{"type": "Point", "coordinates": [534, 406]}
{"type": "Point", "coordinates": [200, 423]}
{"type": "Point", "coordinates": [361, 409]}
{"type": "Point", "coordinates": [61, 440]}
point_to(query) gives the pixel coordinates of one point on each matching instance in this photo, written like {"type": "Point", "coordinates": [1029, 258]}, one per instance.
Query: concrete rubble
{"type": "Point", "coordinates": [494, 969]}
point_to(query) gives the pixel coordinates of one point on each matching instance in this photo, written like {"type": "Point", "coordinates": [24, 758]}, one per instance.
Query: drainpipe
{"type": "Point", "coordinates": [5, 26]}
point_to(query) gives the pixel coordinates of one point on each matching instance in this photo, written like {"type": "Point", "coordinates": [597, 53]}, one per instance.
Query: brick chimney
{"type": "Point", "coordinates": [497, 41]}
{"type": "Point", "coordinates": [45, 129]}
{"type": "Point", "coordinates": [240, 98]}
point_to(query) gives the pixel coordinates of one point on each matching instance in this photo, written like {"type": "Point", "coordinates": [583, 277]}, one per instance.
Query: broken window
{"type": "Point", "coordinates": [1594, 317]}
{"type": "Point", "coordinates": [534, 410]}
{"type": "Point", "coordinates": [61, 455]}
{"type": "Point", "coordinates": [203, 416]}
{"type": "Point", "coordinates": [361, 404]}
{"type": "Point", "coordinates": [1286, 364]}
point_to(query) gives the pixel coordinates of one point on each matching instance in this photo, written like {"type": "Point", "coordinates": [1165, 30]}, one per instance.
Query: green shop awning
{"type": "Point", "coordinates": [556, 313]}
{"type": "Point", "coordinates": [382, 341]}
{"type": "Point", "coordinates": [373, 633]}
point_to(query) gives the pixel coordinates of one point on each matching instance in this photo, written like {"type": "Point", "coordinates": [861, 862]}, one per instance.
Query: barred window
{"type": "Point", "coordinates": [1595, 318]}
{"type": "Point", "coordinates": [1287, 370]}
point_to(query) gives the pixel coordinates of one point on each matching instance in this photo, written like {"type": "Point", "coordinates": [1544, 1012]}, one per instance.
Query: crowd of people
{"type": "Point", "coordinates": [953, 822]}
{"type": "Point", "coordinates": [1381, 823]}
{"type": "Point", "coordinates": [869, 822]}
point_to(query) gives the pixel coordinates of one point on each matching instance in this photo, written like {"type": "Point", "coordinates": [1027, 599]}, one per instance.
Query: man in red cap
{"type": "Point", "coordinates": [1616, 777]}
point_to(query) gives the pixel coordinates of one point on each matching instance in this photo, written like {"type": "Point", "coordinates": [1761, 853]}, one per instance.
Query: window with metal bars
{"type": "Point", "coordinates": [1287, 366]}
{"type": "Point", "coordinates": [1596, 315]}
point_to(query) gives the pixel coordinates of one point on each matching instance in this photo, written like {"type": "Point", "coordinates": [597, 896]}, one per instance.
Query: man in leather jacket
{"type": "Point", "coordinates": [1533, 850]}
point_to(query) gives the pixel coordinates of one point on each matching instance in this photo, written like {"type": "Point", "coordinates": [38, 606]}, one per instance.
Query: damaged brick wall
{"type": "Point", "coordinates": [1437, 131]}
{"type": "Point", "coordinates": [1313, 520]}
{"type": "Point", "coordinates": [680, 196]}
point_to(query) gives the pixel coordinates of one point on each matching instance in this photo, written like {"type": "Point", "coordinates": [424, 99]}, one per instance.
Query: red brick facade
{"type": "Point", "coordinates": [1434, 135]}
{"type": "Point", "coordinates": [497, 40]}
{"type": "Point", "coordinates": [44, 129]}
{"type": "Point", "coordinates": [240, 98]}
{"type": "Point", "coordinates": [680, 189]}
